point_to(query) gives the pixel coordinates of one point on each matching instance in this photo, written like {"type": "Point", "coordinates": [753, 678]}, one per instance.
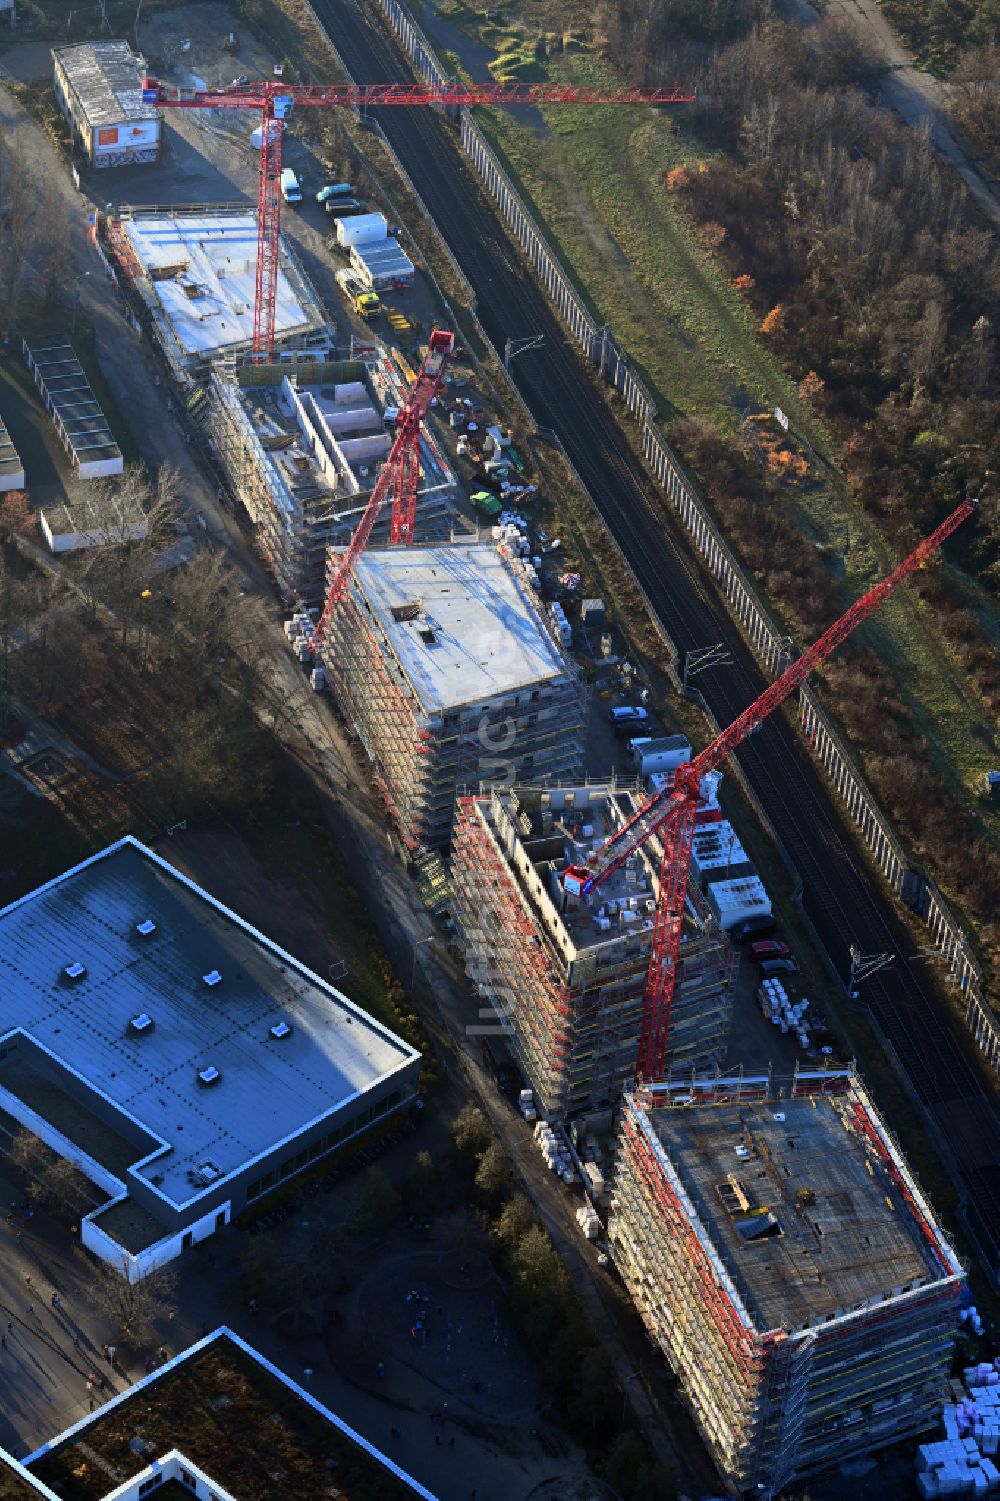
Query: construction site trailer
{"type": "Point", "coordinates": [98, 87]}
{"type": "Point", "coordinates": [11, 468]}
{"type": "Point", "coordinates": [737, 900]}
{"type": "Point", "coordinates": [567, 975]}
{"type": "Point", "coordinates": [785, 1261]}
{"type": "Point", "coordinates": [382, 265]}
{"type": "Point", "coordinates": [441, 658]}
{"type": "Point", "coordinates": [75, 411]}
{"type": "Point", "coordinates": [362, 229]}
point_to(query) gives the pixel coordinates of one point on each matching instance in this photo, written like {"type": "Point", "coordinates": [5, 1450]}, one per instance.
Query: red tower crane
{"type": "Point", "coordinates": [400, 475]}
{"type": "Point", "coordinates": [671, 812]}
{"type": "Point", "coordinates": [274, 103]}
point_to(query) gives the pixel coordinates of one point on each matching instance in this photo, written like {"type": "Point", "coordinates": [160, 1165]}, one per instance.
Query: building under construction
{"type": "Point", "coordinates": [194, 272]}
{"type": "Point", "coordinates": [443, 661]}
{"type": "Point", "coordinates": [567, 975]}
{"type": "Point", "coordinates": [783, 1258]}
{"type": "Point", "coordinates": [302, 447]}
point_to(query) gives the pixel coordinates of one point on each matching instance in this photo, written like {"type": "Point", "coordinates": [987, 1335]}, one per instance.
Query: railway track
{"type": "Point", "coordinates": [840, 897]}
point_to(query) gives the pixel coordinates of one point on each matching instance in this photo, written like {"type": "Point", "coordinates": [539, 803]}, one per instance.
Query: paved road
{"type": "Point", "coordinates": [843, 901]}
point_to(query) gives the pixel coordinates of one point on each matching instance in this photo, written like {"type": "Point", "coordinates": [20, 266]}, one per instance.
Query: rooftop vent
{"type": "Point", "coordinates": [281, 1029]}
{"type": "Point", "coordinates": [212, 978]}
{"type": "Point", "coordinates": [428, 635]}
{"type": "Point", "coordinates": [779, 1115]}
{"type": "Point", "coordinates": [146, 927]}
{"type": "Point", "coordinates": [409, 611]}
{"type": "Point", "coordinates": [207, 1172]}
{"type": "Point", "coordinates": [141, 1024]}
{"type": "Point", "coordinates": [75, 971]}
{"type": "Point", "coordinates": [209, 1075]}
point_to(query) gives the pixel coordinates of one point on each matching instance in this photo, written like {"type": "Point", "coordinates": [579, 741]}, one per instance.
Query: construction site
{"type": "Point", "coordinates": [302, 449]}
{"type": "Point", "coordinates": [444, 663]}
{"type": "Point", "coordinates": [194, 269]}
{"type": "Point", "coordinates": [566, 975]}
{"type": "Point", "coordinates": [770, 1234]}
{"type": "Point", "coordinates": [784, 1260]}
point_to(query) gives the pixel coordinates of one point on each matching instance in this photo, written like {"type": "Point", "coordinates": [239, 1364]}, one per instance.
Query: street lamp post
{"type": "Point", "coordinates": [429, 938]}
{"type": "Point", "coordinates": [76, 300]}
{"type": "Point", "coordinates": [634, 1376]}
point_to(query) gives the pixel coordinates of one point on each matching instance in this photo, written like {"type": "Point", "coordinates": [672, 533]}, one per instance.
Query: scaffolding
{"type": "Point", "coordinates": [795, 1349]}
{"type": "Point", "coordinates": [205, 228]}
{"type": "Point", "coordinates": [571, 997]}
{"type": "Point", "coordinates": [423, 758]}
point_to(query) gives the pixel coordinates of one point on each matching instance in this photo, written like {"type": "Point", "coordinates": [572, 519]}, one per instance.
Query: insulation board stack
{"type": "Point", "coordinates": [777, 1009]}
{"type": "Point", "coordinates": [586, 1218]}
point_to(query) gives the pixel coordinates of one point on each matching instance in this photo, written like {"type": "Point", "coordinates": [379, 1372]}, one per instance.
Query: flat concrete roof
{"type": "Point", "coordinates": [10, 463]}
{"type": "Point", "coordinates": [478, 633]}
{"type": "Point", "coordinates": [203, 268]}
{"type": "Point", "coordinates": [116, 520]}
{"type": "Point", "coordinates": [105, 75]}
{"type": "Point", "coordinates": [269, 1438]}
{"type": "Point", "coordinates": [837, 1243]}
{"type": "Point", "coordinates": [269, 1089]}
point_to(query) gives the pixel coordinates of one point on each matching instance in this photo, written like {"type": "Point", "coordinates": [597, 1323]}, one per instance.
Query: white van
{"type": "Point", "coordinates": [290, 190]}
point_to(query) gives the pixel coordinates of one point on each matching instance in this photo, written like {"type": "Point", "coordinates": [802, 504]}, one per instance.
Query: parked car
{"type": "Point", "coordinates": [628, 714]}
{"type": "Point", "coordinates": [343, 208]}
{"type": "Point", "coordinates": [751, 927]}
{"type": "Point", "coordinates": [334, 190]}
{"type": "Point", "coordinates": [291, 190]}
{"type": "Point", "coordinates": [778, 967]}
{"type": "Point", "coordinates": [770, 948]}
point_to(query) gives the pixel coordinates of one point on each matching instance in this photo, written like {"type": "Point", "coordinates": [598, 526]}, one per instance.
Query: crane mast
{"type": "Point", "coordinates": [399, 477]}
{"type": "Point", "coordinates": [274, 103]}
{"type": "Point", "coordinates": [672, 811]}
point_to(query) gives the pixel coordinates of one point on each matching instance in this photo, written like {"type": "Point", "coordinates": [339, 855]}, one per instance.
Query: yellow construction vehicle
{"type": "Point", "coordinates": [367, 304]}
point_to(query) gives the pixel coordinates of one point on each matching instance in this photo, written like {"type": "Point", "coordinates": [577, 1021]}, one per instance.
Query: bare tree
{"type": "Point", "coordinates": [130, 1307]}
{"type": "Point", "coordinates": [116, 572]}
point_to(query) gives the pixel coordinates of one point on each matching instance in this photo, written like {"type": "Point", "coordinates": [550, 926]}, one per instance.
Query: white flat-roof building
{"type": "Point", "coordinates": [442, 658]}
{"type": "Point", "coordinates": [99, 90]}
{"type": "Point", "coordinates": [72, 528]}
{"type": "Point", "coordinates": [183, 1060]}
{"type": "Point", "coordinates": [196, 272]}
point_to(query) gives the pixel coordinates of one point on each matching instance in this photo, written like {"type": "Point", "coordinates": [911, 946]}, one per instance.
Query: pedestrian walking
{"type": "Point", "coordinates": [55, 1300]}
{"type": "Point", "coordinates": [31, 1309]}
{"type": "Point", "coordinates": [10, 1328]}
{"type": "Point", "coordinates": [3, 1341]}
{"type": "Point", "coordinates": [27, 1279]}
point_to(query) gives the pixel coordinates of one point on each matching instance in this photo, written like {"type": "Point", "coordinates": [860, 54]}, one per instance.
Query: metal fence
{"type": "Point", "coordinates": [770, 645]}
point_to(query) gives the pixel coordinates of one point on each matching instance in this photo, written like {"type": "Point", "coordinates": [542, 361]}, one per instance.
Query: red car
{"type": "Point", "coordinates": [770, 948]}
